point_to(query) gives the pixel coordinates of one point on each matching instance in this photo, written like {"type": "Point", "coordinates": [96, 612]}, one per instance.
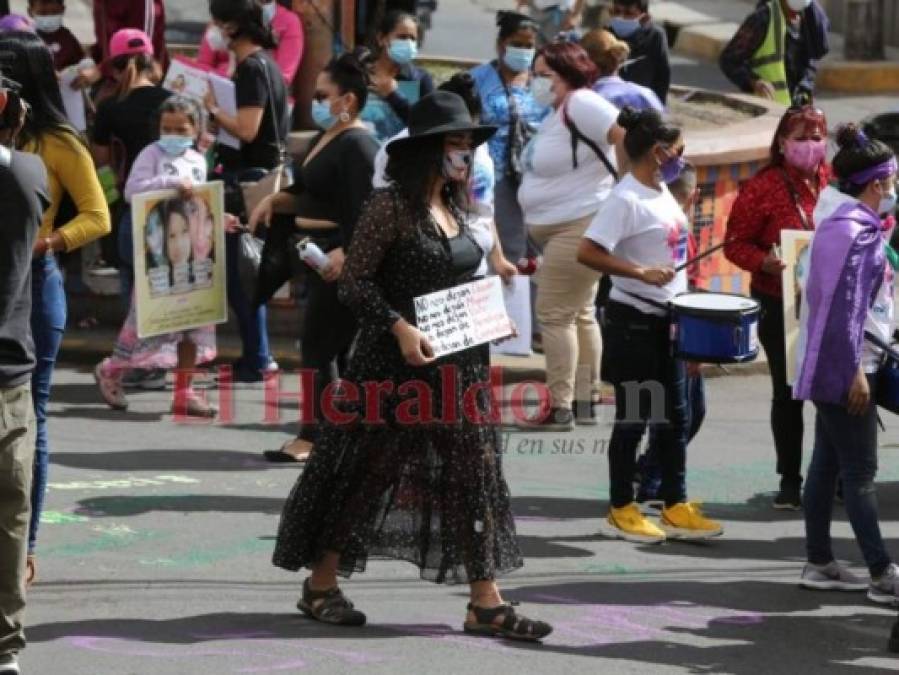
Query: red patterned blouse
{"type": "Point", "coordinates": [765, 206]}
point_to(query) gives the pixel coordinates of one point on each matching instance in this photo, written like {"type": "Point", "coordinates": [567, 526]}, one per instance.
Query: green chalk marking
{"type": "Point", "coordinates": [61, 518]}
{"type": "Point", "coordinates": [106, 538]}
{"type": "Point", "coordinates": [210, 556]}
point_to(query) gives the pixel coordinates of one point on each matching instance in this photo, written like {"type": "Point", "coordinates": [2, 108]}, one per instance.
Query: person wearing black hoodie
{"type": "Point", "coordinates": [649, 65]}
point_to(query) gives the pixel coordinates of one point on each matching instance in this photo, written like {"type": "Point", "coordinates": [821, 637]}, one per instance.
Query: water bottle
{"type": "Point", "coordinates": [312, 255]}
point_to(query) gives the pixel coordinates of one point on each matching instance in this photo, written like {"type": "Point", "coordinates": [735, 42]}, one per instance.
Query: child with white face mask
{"type": "Point", "coordinates": [169, 163]}
{"type": "Point", "coordinates": [48, 18]}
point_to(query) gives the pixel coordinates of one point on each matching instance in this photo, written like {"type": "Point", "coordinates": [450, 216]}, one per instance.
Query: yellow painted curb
{"type": "Point", "coordinates": [859, 77]}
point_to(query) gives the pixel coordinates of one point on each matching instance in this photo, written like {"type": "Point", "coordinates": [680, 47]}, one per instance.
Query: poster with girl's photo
{"type": "Point", "coordinates": [179, 260]}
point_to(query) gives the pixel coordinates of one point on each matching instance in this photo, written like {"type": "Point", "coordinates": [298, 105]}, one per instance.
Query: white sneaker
{"type": "Point", "coordinates": [830, 577]}
{"type": "Point", "coordinates": [882, 590]}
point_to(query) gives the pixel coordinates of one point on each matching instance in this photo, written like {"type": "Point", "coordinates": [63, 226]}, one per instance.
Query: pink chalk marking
{"type": "Point", "coordinates": [630, 619]}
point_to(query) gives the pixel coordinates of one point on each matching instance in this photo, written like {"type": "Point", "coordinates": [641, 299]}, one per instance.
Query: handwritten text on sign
{"type": "Point", "coordinates": [463, 316]}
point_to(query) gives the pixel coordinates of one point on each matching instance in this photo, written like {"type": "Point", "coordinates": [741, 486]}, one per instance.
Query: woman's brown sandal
{"type": "Point", "coordinates": [329, 606]}
{"type": "Point", "coordinates": [513, 626]}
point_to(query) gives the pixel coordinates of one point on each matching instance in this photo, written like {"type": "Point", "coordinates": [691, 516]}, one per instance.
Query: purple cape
{"type": "Point", "coordinates": [845, 273]}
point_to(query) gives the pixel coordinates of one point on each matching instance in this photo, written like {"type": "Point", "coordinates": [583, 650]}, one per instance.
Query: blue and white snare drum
{"type": "Point", "coordinates": [715, 327]}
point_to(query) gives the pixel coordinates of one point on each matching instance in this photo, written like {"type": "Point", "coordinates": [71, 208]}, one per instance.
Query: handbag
{"type": "Point", "coordinates": [249, 257]}
{"type": "Point", "coordinates": [886, 395]}
{"type": "Point", "coordinates": [520, 133]}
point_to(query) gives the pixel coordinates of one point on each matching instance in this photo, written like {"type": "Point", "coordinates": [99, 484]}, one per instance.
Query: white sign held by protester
{"type": "Point", "coordinates": [73, 99]}
{"type": "Point", "coordinates": [226, 97]}
{"type": "Point", "coordinates": [187, 79]}
{"type": "Point", "coordinates": [517, 296]}
{"type": "Point", "coordinates": [463, 316]}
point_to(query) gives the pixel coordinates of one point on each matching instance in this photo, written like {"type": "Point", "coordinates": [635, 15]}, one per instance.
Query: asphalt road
{"type": "Point", "coordinates": [155, 548]}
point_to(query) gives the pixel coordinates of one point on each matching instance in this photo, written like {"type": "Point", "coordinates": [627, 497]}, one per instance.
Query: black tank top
{"type": "Point", "coordinates": [466, 256]}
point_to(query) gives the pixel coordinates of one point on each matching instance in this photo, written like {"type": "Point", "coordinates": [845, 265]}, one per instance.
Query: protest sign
{"type": "Point", "coordinates": [179, 260]}
{"type": "Point", "coordinates": [463, 316]}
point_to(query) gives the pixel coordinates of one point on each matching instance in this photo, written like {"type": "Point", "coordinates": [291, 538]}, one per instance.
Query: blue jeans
{"type": "Point", "coordinates": [48, 323]}
{"type": "Point", "coordinates": [649, 393]}
{"type": "Point", "coordinates": [251, 321]}
{"type": "Point", "coordinates": [649, 466]}
{"type": "Point", "coordinates": [125, 243]}
{"type": "Point", "coordinates": [846, 448]}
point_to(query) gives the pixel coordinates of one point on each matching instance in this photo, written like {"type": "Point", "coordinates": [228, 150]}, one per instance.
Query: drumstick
{"type": "Point", "coordinates": [704, 254]}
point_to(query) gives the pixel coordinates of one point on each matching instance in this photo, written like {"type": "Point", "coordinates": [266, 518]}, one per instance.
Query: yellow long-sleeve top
{"type": "Point", "coordinates": [70, 168]}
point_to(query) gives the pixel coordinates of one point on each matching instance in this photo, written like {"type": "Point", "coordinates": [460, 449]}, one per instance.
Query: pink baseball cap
{"type": "Point", "coordinates": [130, 41]}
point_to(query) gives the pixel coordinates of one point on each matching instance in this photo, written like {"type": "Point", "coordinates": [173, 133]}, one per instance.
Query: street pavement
{"type": "Point", "coordinates": [155, 547]}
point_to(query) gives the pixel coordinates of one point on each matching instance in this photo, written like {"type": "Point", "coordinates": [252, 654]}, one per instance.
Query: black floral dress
{"type": "Point", "coordinates": [421, 480]}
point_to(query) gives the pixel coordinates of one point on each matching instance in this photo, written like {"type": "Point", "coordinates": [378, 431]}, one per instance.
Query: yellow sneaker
{"type": "Point", "coordinates": [685, 521]}
{"type": "Point", "coordinates": [629, 524]}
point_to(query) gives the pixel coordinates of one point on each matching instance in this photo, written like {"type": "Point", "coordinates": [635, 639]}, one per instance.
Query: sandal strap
{"type": "Point", "coordinates": [512, 621]}
{"type": "Point", "coordinates": [332, 599]}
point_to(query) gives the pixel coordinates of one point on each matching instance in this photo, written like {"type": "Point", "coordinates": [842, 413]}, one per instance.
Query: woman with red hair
{"type": "Point", "coordinates": [569, 171]}
{"type": "Point", "coordinates": [782, 196]}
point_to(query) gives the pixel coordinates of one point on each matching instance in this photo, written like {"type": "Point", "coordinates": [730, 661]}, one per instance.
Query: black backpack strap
{"type": "Point", "coordinates": [577, 135]}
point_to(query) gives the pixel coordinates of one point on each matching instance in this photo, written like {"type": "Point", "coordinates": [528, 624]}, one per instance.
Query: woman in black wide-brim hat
{"type": "Point", "coordinates": [404, 468]}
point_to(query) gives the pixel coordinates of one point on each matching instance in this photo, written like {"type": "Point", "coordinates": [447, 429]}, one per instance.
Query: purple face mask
{"type": "Point", "coordinates": [805, 155]}
{"type": "Point", "coordinates": [672, 168]}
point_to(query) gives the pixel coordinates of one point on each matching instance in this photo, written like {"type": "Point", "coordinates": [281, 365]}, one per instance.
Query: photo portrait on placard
{"type": "Point", "coordinates": [179, 260]}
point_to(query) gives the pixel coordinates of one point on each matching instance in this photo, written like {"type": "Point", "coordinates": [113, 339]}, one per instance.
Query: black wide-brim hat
{"type": "Point", "coordinates": [438, 114]}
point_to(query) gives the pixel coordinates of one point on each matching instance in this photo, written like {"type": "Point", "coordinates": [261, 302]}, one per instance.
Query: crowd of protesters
{"type": "Point", "coordinates": [560, 151]}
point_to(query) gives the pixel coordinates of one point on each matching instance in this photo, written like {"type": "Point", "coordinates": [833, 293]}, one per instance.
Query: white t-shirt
{"type": "Point", "coordinates": [880, 321]}
{"type": "Point", "coordinates": [553, 191]}
{"type": "Point", "coordinates": [646, 227]}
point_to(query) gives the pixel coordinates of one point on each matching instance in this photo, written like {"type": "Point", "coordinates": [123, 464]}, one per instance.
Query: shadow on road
{"type": "Point", "coordinates": [104, 414]}
{"type": "Point", "coordinates": [222, 626]}
{"type": "Point", "coordinates": [701, 627]}
{"type": "Point", "coordinates": [166, 460]}
{"type": "Point", "coordinates": [756, 625]}
{"type": "Point", "coordinates": [122, 506]}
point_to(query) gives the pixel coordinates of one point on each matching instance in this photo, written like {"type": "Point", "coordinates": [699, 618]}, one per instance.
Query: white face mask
{"type": "Point", "coordinates": [216, 39]}
{"type": "Point", "coordinates": [48, 24]}
{"type": "Point", "coordinates": [541, 90]}
{"type": "Point", "coordinates": [799, 5]}
{"type": "Point", "coordinates": [887, 204]}
{"type": "Point", "coordinates": [268, 12]}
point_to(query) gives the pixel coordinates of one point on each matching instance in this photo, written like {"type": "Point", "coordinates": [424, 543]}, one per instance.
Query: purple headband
{"type": "Point", "coordinates": [16, 22]}
{"type": "Point", "coordinates": [883, 170]}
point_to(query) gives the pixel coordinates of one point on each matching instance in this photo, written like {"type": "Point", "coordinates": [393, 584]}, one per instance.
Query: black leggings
{"type": "Point", "coordinates": [786, 413]}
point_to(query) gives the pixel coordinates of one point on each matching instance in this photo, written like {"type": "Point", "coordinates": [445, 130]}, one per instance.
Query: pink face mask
{"type": "Point", "coordinates": [805, 155]}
